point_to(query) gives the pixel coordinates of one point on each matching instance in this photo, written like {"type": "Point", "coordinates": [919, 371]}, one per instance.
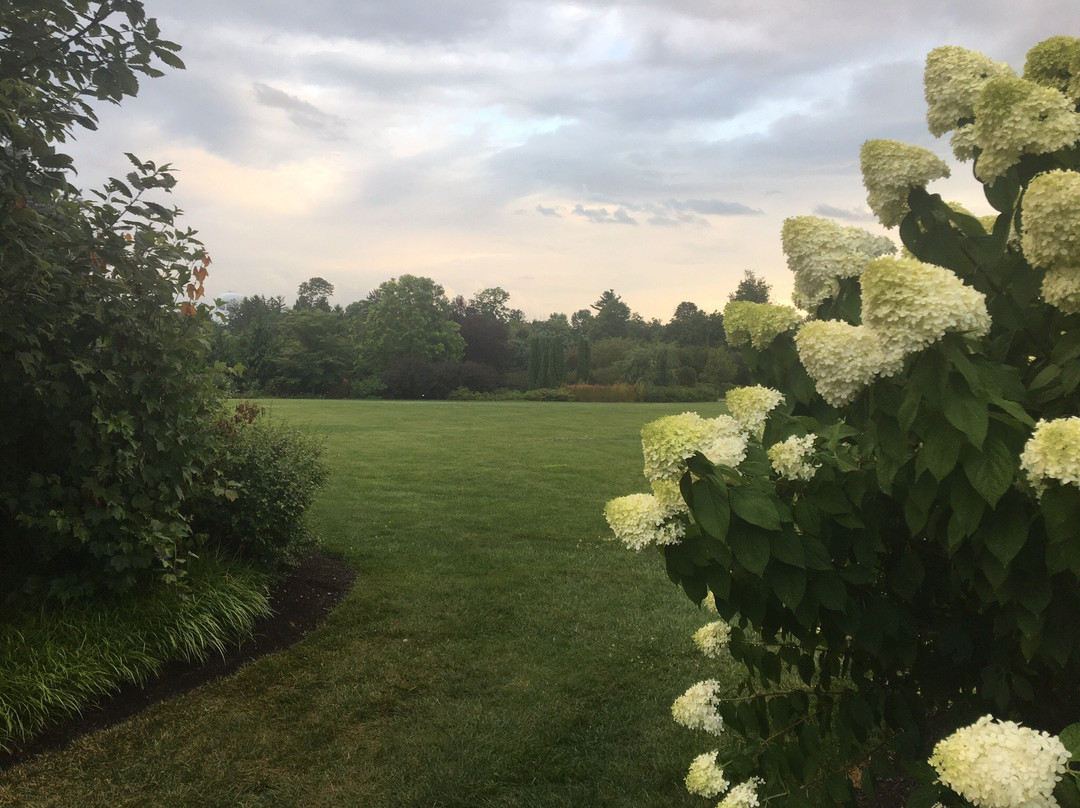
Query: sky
{"type": "Point", "coordinates": [554, 149]}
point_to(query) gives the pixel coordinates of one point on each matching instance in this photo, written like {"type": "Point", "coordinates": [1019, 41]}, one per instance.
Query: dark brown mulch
{"type": "Point", "coordinates": [300, 602]}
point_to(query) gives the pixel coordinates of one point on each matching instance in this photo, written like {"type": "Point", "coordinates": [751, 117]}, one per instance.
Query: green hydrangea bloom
{"type": "Point", "coordinates": [912, 305]}
{"type": "Point", "coordinates": [705, 777]}
{"type": "Point", "coordinates": [890, 170]}
{"type": "Point", "coordinates": [639, 520]}
{"type": "Point", "coordinates": [820, 251]}
{"type": "Point", "coordinates": [1061, 288]}
{"type": "Point", "coordinates": [1000, 764]}
{"type": "Point", "coordinates": [750, 406]}
{"type": "Point", "coordinates": [1055, 62]}
{"type": "Point", "coordinates": [952, 80]}
{"type": "Point", "coordinates": [1013, 117]}
{"type": "Point", "coordinates": [757, 323]}
{"type": "Point", "coordinates": [1053, 453]}
{"type": "Point", "coordinates": [1051, 223]}
{"type": "Point", "coordinates": [792, 459]}
{"type": "Point", "coordinates": [841, 358]}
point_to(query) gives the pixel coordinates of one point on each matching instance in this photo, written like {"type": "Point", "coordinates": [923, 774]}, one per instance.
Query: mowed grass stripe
{"type": "Point", "coordinates": [496, 651]}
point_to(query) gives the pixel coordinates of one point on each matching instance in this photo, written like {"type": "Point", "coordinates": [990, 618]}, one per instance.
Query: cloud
{"type": "Point", "coordinates": [715, 207]}
{"type": "Point", "coordinates": [547, 211]}
{"type": "Point", "coordinates": [846, 214]}
{"type": "Point", "coordinates": [300, 112]}
{"type": "Point", "coordinates": [603, 215]}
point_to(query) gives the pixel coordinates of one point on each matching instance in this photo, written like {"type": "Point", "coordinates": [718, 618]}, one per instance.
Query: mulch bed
{"type": "Point", "coordinates": [300, 602]}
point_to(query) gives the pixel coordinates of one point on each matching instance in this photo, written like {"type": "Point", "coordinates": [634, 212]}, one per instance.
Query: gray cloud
{"type": "Point", "coordinates": [603, 215]}
{"type": "Point", "coordinates": [300, 112]}
{"type": "Point", "coordinates": [547, 211]}
{"type": "Point", "coordinates": [846, 214]}
{"type": "Point", "coordinates": [715, 207]}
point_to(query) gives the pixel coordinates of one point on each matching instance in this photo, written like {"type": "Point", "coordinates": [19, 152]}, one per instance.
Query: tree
{"type": "Point", "coordinates": [314, 293]}
{"type": "Point", "coordinates": [751, 288]}
{"type": "Point", "coordinates": [408, 317]}
{"type": "Point", "coordinates": [611, 318]}
{"type": "Point", "coordinates": [581, 322]}
{"type": "Point", "coordinates": [105, 392]}
{"type": "Point", "coordinates": [492, 303]}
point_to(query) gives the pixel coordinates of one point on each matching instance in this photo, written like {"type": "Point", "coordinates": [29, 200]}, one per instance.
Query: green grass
{"type": "Point", "coordinates": [495, 650]}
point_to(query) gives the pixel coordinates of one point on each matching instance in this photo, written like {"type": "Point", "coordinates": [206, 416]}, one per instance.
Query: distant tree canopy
{"type": "Point", "coordinates": [406, 339]}
{"type": "Point", "coordinates": [314, 293]}
{"type": "Point", "coordinates": [751, 288]}
{"type": "Point", "coordinates": [408, 317]}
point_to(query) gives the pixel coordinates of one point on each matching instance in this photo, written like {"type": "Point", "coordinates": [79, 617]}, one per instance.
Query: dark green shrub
{"type": "Point", "coordinates": [105, 394]}
{"type": "Point", "coordinates": [266, 475]}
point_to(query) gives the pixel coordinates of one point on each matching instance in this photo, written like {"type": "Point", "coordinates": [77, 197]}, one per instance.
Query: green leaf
{"type": "Point", "coordinates": [967, 414]}
{"type": "Point", "coordinates": [789, 584]}
{"type": "Point", "coordinates": [755, 506]}
{"type": "Point", "coordinates": [940, 449]}
{"type": "Point", "coordinates": [1007, 532]}
{"type": "Point", "coordinates": [1070, 739]}
{"type": "Point", "coordinates": [831, 592]}
{"type": "Point", "coordinates": [1066, 791]}
{"type": "Point", "coordinates": [787, 547]}
{"type": "Point", "coordinates": [710, 507]}
{"type": "Point", "coordinates": [751, 549]}
{"type": "Point", "coordinates": [992, 470]}
{"type": "Point", "coordinates": [1060, 505]}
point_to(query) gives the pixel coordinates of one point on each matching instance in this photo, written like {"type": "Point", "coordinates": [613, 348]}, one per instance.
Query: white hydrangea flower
{"type": "Point", "coordinates": [1013, 117]}
{"type": "Point", "coordinates": [912, 305]}
{"type": "Point", "coordinates": [713, 638]}
{"type": "Point", "coordinates": [725, 444]}
{"type": "Point", "coordinates": [750, 406]}
{"type": "Point", "coordinates": [952, 80]}
{"type": "Point", "coordinates": [757, 323]}
{"type": "Point", "coordinates": [668, 441]}
{"type": "Point", "coordinates": [963, 142]}
{"type": "Point", "coordinates": [639, 520]}
{"type": "Point", "coordinates": [696, 708]}
{"type": "Point", "coordinates": [744, 795]}
{"type": "Point", "coordinates": [1061, 288]}
{"type": "Point", "coordinates": [890, 170]}
{"type": "Point", "coordinates": [1051, 223]}
{"type": "Point", "coordinates": [705, 777]}
{"type": "Point", "coordinates": [820, 251]}
{"type": "Point", "coordinates": [669, 496]}
{"type": "Point", "coordinates": [1055, 62]}
{"type": "Point", "coordinates": [1000, 764]}
{"type": "Point", "coordinates": [841, 358]}
{"type": "Point", "coordinates": [792, 458]}
{"type": "Point", "coordinates": [1053, 452]}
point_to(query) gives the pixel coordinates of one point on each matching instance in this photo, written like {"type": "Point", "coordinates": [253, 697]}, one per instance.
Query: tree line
{"type": "Point", "coordinates": [407, 339]}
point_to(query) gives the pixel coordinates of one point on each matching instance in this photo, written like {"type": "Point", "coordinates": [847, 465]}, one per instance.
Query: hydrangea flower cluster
{"type": "Point", "coordinates": [667, 443]}
{"type": "Point", "coordinates": [696, 708]}
{"type": "Point", "coordinates": [952, 80]}
{"type": "Point", "coordinates": [792, 459]}
{"type": "Point", "coordinates": [820, 251]}
{"type": "Point", "coordinates": [841, 358]}
{"type": "Point", "coordinates": [744, 795]}
{"type": "Point", "coordinates": [638, 520]}
{"type": "Point", "coordinates": [890, 170]}
{"type": "Point", "coordinates": [713, 638]}
{"type": "Point", "coordinates": [1055, 62]}
{"type": "Point", "coordinates": [757, 323]}
{"type": "Point", "coordinates": [1051, 238]}
{"type": "Point", "coordinates": [705, 777]}
{"type": "Point", "coordinates": [669, 496]}
{"type": "Point", "coordinates": [750, 406]}
{"type": "Point", "coordinates": [1053, 453]}
{"type": "Point", "coordinates": [1000, 764]}
{"type": "Point", "coordinates": [1014, 116]}
{"type": "Point", "coordinates": [912, 305]}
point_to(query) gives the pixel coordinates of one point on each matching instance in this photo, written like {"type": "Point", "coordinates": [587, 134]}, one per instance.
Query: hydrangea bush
{"type": "Point", "coordinates": [888, 523]}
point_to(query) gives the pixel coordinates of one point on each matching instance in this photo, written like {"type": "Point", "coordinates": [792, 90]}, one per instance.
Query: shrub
{"type": "Point", "coordinates": [255, 497]}
{"type": "Point", "coordinates": [605, 392]}
{"type": "Point", "coordinates": [890, 534]}
{"type": "Point", "coordinates": [105, 394]}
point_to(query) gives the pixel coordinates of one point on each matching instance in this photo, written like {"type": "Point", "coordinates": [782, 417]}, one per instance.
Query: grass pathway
{"type": "Point", "coordinates": [494, 652]}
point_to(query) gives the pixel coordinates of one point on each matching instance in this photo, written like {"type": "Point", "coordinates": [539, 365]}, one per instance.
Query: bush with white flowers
{"type": "Point", "coordinates": [888, 522]}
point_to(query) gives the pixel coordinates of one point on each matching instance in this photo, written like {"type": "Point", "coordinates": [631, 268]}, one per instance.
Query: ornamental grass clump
{"type": "Point", "coordinates": [893, 550]}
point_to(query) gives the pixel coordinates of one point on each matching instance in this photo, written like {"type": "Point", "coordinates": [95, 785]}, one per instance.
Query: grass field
{"type": "Point", "coordinates": [495, 651]}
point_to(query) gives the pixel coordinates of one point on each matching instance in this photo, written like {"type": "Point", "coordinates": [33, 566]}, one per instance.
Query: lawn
{"type": "Point", "coordinates": [495, 651]}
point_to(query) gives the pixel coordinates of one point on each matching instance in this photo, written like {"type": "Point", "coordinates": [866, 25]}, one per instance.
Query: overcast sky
{"type": "Point", "coordinates": [557, 150]}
